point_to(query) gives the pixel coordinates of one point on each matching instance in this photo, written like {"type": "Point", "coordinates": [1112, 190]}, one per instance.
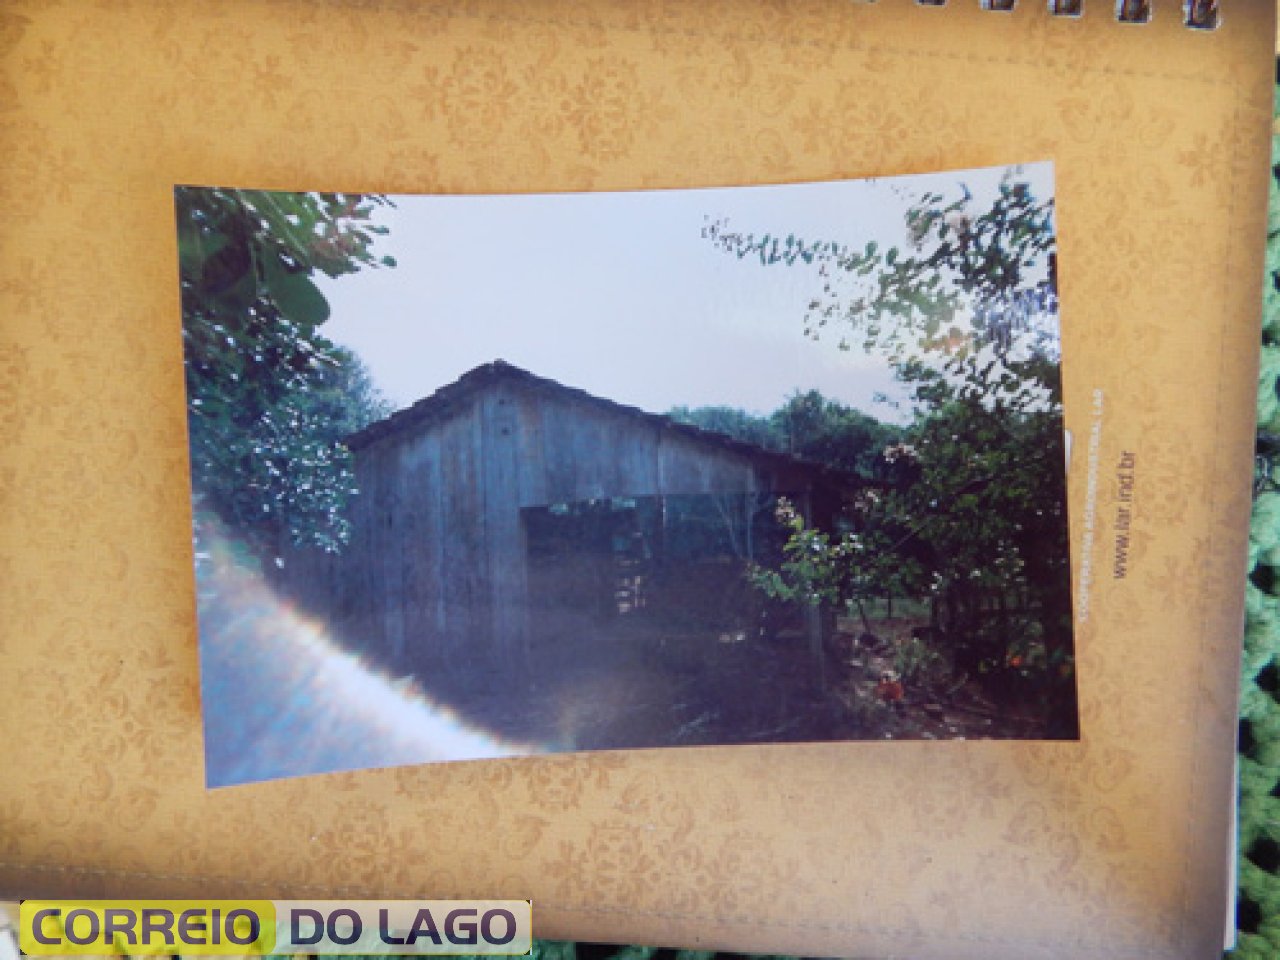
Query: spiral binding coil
{"type": "Point", "coordinates": [1197, 14]}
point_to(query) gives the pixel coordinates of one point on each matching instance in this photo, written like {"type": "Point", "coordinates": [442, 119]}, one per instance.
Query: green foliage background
{"type": "Point", "coordinates": [808, 425]}
{"type": "Point", "coordinates": [974, 515]}
{"type": "Point", "coordinates": [270, 398]}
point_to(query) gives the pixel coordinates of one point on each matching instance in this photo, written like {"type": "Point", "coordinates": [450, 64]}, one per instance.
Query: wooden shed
{"type": "Point", "coordinates": [506, 508]}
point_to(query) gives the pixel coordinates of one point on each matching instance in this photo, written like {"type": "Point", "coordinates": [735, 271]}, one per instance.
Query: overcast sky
{"type": "Point", "coordinates": [618, 294]}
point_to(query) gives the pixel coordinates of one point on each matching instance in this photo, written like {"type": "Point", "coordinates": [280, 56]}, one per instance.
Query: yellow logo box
{"type": "Point", "coordinates": [261, 927]}
{"type": "Point", "coordinates": [115, 927]}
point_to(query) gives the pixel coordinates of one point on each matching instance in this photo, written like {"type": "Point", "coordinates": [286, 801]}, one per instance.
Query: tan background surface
{"type": "Point", "coordinates": [1115, 846]}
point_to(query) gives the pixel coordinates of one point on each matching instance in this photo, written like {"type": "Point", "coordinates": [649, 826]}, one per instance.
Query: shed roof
{"type": "Point", "coordinates": [450, 397]}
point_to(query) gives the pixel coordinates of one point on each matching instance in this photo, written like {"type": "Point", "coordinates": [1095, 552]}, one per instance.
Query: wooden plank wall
{"type": "Point", "coordinates": [436, 576]}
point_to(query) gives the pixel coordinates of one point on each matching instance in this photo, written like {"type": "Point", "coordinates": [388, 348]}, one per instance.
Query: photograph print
{"type": "Point", "coordinates": [488, 476]}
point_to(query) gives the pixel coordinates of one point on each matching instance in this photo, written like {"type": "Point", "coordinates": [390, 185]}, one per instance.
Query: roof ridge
{"type": "Point", "coordinates": [443, 397]}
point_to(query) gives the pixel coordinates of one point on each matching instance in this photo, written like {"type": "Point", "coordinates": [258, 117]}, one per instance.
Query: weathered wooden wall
{"type": "Point", "coordinates": [436, 574]}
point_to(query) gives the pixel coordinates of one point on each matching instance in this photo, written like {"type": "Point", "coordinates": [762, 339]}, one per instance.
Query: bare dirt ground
{"type": "Point", "coordinates": [623, 687]}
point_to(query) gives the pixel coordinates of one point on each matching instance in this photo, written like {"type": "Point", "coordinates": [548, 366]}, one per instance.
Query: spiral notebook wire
{"type": "Point", "coordinates": [1197, 14]}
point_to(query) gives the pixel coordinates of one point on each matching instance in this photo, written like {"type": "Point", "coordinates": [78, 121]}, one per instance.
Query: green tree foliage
{"type": "Point", "coordinates": [975, 518]}
{"type": "Point", "coordinates": [732, 422]}
{"type": "Point", "coordinates": [269, 397]}
{"type": "Point", "coordinates": [842, 569]}
{"type": "Point", "coordinates": [807, 425]}
{"type": "Point", "coordinates": [972, 305]}
{"type": "Point", "coordinates": [829, 432]}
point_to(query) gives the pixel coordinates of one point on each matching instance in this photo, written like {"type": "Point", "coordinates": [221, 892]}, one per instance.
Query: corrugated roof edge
{"type": "Point", "coordinates": [439, 404]}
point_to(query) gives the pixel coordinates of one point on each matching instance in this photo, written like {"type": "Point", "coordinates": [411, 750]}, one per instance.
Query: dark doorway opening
{"type": "Point", "coordinates": [659, 565]}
